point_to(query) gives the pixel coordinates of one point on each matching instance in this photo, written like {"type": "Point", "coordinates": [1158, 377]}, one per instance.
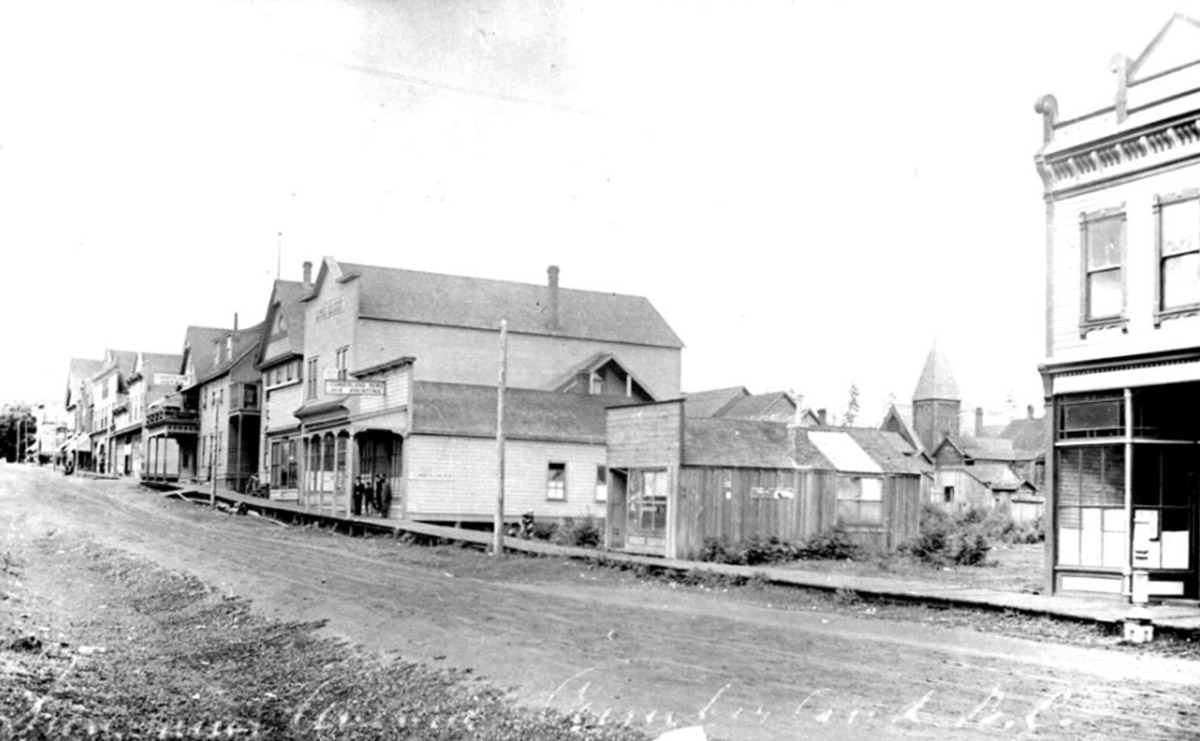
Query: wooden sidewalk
{"type": "Point", "coordinates": [1180, 617]}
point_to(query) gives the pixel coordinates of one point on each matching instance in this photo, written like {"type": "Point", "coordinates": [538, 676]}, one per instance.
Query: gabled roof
{"type": "Point", "coordinates": [997, 477]}
{"type": "Point", "coordinates": [736, 443]}
{"type": "Point", "coordinates": [900, 417]}
{"type": "Point", "coordinates": [890, 450]}
{"type": "Point", "coordinates": [1175, 45]}
{"type": "Point", "coordinates": [937, 380]}
{"type": "Point", "coordinates": [777, 405]}
{"type": "Point", "coordinates": [595, 363]}
{"type": "Point", "coordinates": [199, 347]}
{"type": "Point", "coordinates": [245, 342]}
{"type": "Point", "coordinates": [698, 404]}
{"type": "Point", "coordinates": [1026, 435]}
{"type": "Point", "coordinates": [480, 303]}
{"type": "Point", "coordinates": [80, 371]}
{"type": "Point", "coordinates": [285, 301]}
{"type": "Point", "coordinates": [470, 411]}
{"type": "Point", "coordinates": [984, 448]}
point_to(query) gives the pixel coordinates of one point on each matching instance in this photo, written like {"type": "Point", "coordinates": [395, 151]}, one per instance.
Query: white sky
{"type": "Point", "coordinates": [809, 193]}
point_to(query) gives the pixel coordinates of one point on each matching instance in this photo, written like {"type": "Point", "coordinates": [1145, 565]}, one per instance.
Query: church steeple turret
{"type": "Point", "coordinates": [936, 402]}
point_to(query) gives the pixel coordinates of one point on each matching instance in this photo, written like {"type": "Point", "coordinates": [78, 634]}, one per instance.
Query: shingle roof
{"type": "Point", "coordinates": [157, 362]}
{"type": "Point", "coordinates": [479, 303]}
{"type": "Point", "coordinates": [200, 343]}
{"type": "Point", "coordinates": [84, 368]}
{"type": "Point", "coordinates": [244, 341]}
{"type": "Point", "coordinates": [461, 409]}
{"type": "Point", "coordinates": [776, 406]}
{"type": "Point", "coordinates": [1026, 434]}
{"type": "Point", "coordinates": [996, 476]}
{"type": "Point", "coordinates": [736, 443]}
{"type": "Point", "coordinates": [937, 380]}
{"type": "Point", "coordinates": [287, 293]}
{"type": "Point", "coordinates": [890, 450]}
{"type": "Point", "coordinates": [902, 414]}
{"type": "Point", "coordinates": [698, 404]}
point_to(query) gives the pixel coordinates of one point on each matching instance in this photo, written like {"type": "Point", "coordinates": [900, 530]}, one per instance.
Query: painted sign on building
{"type": "Point", "coordinates": [351, 387]}
{"type": "Point", "coordinates": [172, 379]}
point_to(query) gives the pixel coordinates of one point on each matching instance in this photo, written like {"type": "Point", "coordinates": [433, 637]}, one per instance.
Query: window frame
{"type": "Point", "coordinates": [310, 382]}
{"type": "Point", "coordinates": [551, 468]}
{"type": "Point", "coordinates": [1087, 322]}
{"type": "Point", "coordinates": [857, 502]}
{"type": "Point", "coordinates": [341, 362]}
{"type": "Point", "coordinates": [1160, 202]}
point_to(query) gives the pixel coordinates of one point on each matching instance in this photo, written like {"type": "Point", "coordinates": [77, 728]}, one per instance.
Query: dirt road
{"type": "Point", "coordinates": [565, 636]}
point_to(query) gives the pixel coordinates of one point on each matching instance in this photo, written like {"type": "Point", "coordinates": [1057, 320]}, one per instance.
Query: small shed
{"type": "Point", "coordinates": [674, 481]}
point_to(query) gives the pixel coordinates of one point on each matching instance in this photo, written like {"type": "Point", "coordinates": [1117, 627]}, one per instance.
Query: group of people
{"type": "Point", "coordinates": [371, 492]}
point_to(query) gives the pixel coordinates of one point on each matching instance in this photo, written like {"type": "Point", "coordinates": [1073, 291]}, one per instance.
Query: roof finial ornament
{"type": "Point", "coordinates": [1120, 66]}
{"type": "Point", "coordinates": [1047, 105]}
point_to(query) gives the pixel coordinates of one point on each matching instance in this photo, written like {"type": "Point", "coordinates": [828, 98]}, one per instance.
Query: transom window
{"type": "Point", "coordinates": [1178, 254]}
{"type": "Point", "coordinates": [1104, 252]}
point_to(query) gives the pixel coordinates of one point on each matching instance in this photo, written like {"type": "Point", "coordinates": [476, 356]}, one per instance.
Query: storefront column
{"type": "Point", "coordinates": [302, 469]}
{"type": "Point", "coordinates": [1127, 569]}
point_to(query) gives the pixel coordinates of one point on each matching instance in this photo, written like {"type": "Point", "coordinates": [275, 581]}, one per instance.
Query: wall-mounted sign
{"type": "Point", "coordinates": [330, 308]}
{"type": "Point", "coordinates": [352, 387]}
{"type": "Point", "coordinates": [763, 492]}
{"type": "Point", "coordinates": [172, 379]}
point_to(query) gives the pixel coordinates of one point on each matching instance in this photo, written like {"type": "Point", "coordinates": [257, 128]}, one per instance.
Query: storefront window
{"type": "Point", "coordinates": [1091, 506]}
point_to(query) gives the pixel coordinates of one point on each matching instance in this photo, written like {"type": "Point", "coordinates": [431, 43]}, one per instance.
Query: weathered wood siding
{"type": "Point", "coordinates": [462, 355]}
{"type": "Point", "coordinates": [454, 478]}
{"type": "Point", "coordinates": [396, 390]}
{"type": "Point", "coordinates": [647, 436]}
{"type": "Point", "coordinates": [742, 503]}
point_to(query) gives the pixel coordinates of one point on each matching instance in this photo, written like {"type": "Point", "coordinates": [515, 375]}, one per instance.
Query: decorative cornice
{"type": "Point", "coordinates": [1113, 157]}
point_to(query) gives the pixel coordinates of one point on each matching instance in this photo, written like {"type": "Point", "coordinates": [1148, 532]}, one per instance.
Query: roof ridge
{"type": "Point", "coordinates": [352, 267]}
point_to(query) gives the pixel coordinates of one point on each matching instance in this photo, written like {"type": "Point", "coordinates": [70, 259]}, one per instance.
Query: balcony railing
{"type": "Point", "coordinates": [165, 415]}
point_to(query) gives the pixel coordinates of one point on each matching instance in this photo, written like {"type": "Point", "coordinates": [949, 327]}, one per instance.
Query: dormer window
{"type": "Point", "coordinates": [596, 384]}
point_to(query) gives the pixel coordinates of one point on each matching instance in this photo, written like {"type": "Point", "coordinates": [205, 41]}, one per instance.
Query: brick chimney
{"type": "Point", "coordinates": [978, 421]}
{"type": "Point", "coordinates": [552, 300]}
{"type": "Point", "coordinates": [821, 417]}
{"type": "Point", "coordinates": [307, 274]}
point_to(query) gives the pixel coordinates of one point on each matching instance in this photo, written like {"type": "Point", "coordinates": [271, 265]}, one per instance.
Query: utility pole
{"type": "Point", "coordinates": [216, 448]}
{"type": "Point", "coordinates": [498, 535]}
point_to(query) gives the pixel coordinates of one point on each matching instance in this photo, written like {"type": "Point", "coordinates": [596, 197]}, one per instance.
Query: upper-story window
{"type": "Point", "coordinates": [1103, 266]}
{"type": "Point", "coordinates": [596, 383]}
{"type": "Point", "coordinates": [341, 359]}
{"type": "Point", "coordinates": [311, 379]}
{"type": "Point", "coordinates": [1178, 253]}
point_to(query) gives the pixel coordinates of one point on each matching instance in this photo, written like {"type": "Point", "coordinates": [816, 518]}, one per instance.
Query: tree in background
{"type": "Point", "coordinates": [851, 414]}
{"type": "Point", "coordinates": [18, 430]}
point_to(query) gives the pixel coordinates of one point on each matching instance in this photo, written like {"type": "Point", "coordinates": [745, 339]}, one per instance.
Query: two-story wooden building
{"type": "Point", "coordinates": [400, 369]}
{"type": "Point", "coordinates": [172, 427]}
{"type": "Point", "coordinates": [227, 397]}
{"type": "Point", "coordinates": [1122, 369]}
{"type": "Point", "coordinates": [77, 448]}
{"type": "Point", "coordinates": [109, 397]}
{"type": "Point", "coordinates": [279, 359]}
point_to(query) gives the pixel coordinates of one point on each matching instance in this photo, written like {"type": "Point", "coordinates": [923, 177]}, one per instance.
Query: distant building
{"type": "Point", "coordinates": [675, 481]}
{"type": "Point", "coordinates": [1122, 369]}
{"type": "Point", "coordinates": [737, 402]}
{"type": "Point", "coordinates": [989, 469]}
{"type": "Point", "coordinates": [398, 384]}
